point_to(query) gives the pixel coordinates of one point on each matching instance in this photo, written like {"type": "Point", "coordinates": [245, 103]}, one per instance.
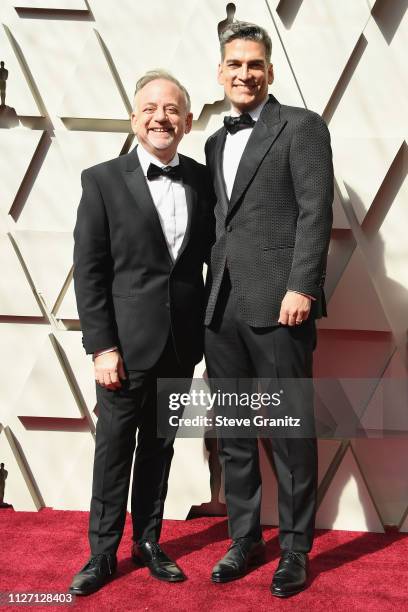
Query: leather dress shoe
{"type": "Point", "coordinates": [97, 572]}
{"type": "Point", "coordinates": [160, 565]}
{"type": "Point", "coordinates": [291, 576]}
{"type": "Point", "coordinates": [242, 553]}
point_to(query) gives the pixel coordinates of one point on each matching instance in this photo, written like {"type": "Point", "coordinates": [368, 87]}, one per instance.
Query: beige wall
{"type": "Point", "coordinates": [73, 65]}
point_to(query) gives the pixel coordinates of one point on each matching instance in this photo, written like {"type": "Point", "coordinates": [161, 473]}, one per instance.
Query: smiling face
{"type": "Point", "coordinates": [160, 118]}
{"type": "Point", "coordinates": [245, 73]}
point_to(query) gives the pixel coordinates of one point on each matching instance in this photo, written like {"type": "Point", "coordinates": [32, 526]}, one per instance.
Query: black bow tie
{"type": "Point", "coordinates": [242, 122]}
{"type": "Point", "coordinates": [172, 172]}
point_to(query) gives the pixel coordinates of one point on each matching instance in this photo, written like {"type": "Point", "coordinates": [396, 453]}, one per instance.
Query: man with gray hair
{"type": "Point", "coordinates": [271, 167]}
{"type": "Point", "coordinates": [143, 231]}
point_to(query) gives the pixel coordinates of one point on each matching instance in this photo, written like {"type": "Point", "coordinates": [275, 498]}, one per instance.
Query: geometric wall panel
{"type": "Point", "coordinates": [21, 343]}
{"type": "Point", "coordinates": [52, 202]}
{"type": "Point", "coordinates": [16, 296]}
{"type": "Point", "coordinates": [189, 482]}
{"type": "Point", "coordinates": [355, 303]}
{"type": "Point", "coordinates": [51, 48]}
{"type": "Point", "coordinates": [101, 99]}
{"type": "Point", "coordinates": [18, 92]}
{"type": "Point", "coordinates": [327, 450]}
{"type": "Point", "coordinates": [404, 525]}
{"type": "Point", "coordinates": [49, 260]}
{"type": "Point", "coordinates": [67, 486]}
{"type": "Point", "coordinates": [387, 252]}
{"type": "Point", "coordinates": [128, 58]}
{"type": "Point", "coordinates": [18, 147]}
{"type": "Point", "coordinates": [373, 103]}
{"type": "Point", "coordinates": [354, 354]}
{"type": "Point", "coordinates": [387, 409]}
{"type": "Point", "coordinates": [68, 5]}
{"type": "Point", "coordinates": [19, 491]}
{"type": "Point", "coordinates": [317, 55]}
{"type": "Point", "coordinates": [190, 47]}
{"type": "Point", "coordinates": [351, 155]}
{"type": "Point", "coordinates": [46, 392]}
{"type": "Point", "coordinates": [347, 503]}
{"type": "Point", "coordinates": [72, 67]}
{"type": "Point", "coordinates": [81, 366]}
{"type": "Point", "coordinates": [387, 475]}
{"type": "Point", "coordinates": [63, 469]}
{"type": "Point", "coordinates": [81, 149]}
{"type": "Point", "coordinates": [67, 308]}
{"type": "Point", "coordinates": [339, 216]}
{"type": "Point", "coordinates": [341, 248]}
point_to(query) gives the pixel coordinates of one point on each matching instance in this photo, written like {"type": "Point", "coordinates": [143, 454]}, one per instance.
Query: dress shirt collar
{"type": "Point", "coordinates": [255, 113]}
{"type": "Point", "coordinates": [147, 158]}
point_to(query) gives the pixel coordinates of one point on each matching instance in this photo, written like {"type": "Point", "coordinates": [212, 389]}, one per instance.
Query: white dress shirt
{"type": "Point", "coordinates": [234, 148]}
{"type": "Point", "coordinates": [169, 198]}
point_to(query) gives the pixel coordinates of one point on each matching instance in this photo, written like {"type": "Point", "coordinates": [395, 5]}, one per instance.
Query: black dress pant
{"type": "Point", "coordinates": [233, 349]}
{"type": "Point", "coordinates": [122, 413]}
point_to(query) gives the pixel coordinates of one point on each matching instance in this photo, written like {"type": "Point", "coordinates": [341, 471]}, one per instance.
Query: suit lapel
{"type": "Point", "coordinates": [219, 182]}
{"type": "Point", "coordinates": [191, 199]}
{"type": "Point", "coordinates": [264, 134]}
{"type": "Point", "coordinates": [137, 186]}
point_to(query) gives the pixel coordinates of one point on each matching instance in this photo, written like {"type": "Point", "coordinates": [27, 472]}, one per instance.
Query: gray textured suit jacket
{"type": "Point", "coordinates": [274, 232]}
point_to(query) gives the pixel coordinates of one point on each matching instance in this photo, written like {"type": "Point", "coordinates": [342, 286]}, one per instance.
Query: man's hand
{"type": "Point", "coordinates": [109, 370]}
{"type": "Point", "coordinates": [295, 308]}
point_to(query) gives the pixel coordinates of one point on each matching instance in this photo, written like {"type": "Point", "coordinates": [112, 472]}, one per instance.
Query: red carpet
{"type": "Point", "coordinates": [350, 571]}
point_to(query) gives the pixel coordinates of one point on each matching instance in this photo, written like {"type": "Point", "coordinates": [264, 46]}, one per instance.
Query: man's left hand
{"type": "Point", "coordinates": [295, 309]}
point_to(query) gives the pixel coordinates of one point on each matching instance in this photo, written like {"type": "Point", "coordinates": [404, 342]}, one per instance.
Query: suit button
{"type": "Point", "coordinates": [167, 304]}
{"type": "Point", "coordinates": [229, 228]}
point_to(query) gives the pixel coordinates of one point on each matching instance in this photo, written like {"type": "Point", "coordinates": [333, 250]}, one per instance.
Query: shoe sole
{"type": "Point", "coordinates": [254, 562]}
{"type": "Point", "coordinates": [84, 593]}
{"type": "Point", "coordinates": [140, 563]}
{"type": "Point", "coordinates": [223, 580]}
{"type": "Point", "coordinates": [286, 595]}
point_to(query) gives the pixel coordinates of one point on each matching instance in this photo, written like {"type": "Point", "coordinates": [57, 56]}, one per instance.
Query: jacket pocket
{"type": "Point", "coordinates": [275, 247]}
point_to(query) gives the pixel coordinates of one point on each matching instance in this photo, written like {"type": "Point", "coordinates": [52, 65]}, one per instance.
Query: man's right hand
{"type": "Point", "coordinates": [109, 370]}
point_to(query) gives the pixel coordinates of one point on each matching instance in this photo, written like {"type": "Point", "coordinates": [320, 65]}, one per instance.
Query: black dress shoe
{"type": "Point", "coordinates": [291, 576]}
{"type": "Point", "coordinates": [242, 553]}
{"type": "Point", "coordinates": [160, 565]}
{"type": "Point", "coordinates": [97, 572]}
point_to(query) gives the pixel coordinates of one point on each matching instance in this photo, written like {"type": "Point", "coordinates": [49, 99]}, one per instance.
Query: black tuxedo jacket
{"type": "Point", "coordinates": [274, 232]}
{"type": "Point", "coordinates": [129, 291]}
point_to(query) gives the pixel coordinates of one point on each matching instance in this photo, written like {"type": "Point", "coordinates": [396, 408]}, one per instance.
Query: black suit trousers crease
{"type": "Point", "coordinates": [123, 413]}
{"type": "Point", "coordinates": [234, 349]}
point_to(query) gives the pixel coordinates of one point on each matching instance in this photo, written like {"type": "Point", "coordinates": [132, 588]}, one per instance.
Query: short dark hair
{"type": "Point", "coordinates": [247, 31]}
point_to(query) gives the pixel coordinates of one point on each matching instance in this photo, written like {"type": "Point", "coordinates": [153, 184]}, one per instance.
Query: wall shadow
{"type": "Point", "coordinates": [388, 16]}
{"type": "Point", "coordinates": [287, 11]}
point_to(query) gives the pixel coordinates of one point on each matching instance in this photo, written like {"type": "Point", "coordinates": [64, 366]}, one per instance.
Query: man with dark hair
{"type": "Point", "coordinates": [272, 172]}
{"type": "Point", "coordinates": [142, 234]}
